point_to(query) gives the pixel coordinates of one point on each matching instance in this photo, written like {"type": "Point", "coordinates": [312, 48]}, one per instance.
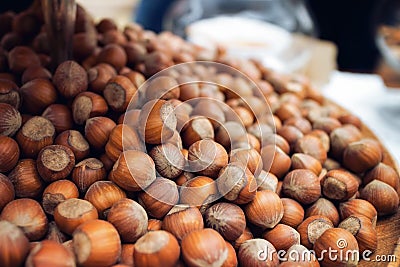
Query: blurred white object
{"type": "Point", "coordinates": [249, 38]}
{"type": "Point", "coordinates": [366, 96]}
{"type": "Point", "coordinates": [121, 11]}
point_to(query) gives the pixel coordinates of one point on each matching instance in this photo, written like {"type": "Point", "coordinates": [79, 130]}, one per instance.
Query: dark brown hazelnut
{"type": "Point", "coordinates": [70, 79]}
{"type": "Point", "coordinates": [7, 189]}
{"type": "Point", "coordinates": [10, 120]}
{"type": "Point", "coordinates": [37, 95]}
{"type": "Point", "coordinates": [87, 172]}
{"type": "Point", "coordinates": [22, 57]}
{"type": "Point", "coordinates": [119, 92]}
{"type": "Point", "coordinates": [35, 72]}
{"type": "Point", "coordinates": [87, 105]}
{"type": "Point", "coordinates": [60, 116]}
{"type": "Point", "coordinates": [9, 93]}
{"type": "Point", "coordinates": [26, 179]}
{"type": "Point", "coordinates": [74, 141]}
{"type": "Point", "coordinates": [99, 75]}
{"type": "Point", "coordinates": [275, 160]}
{"type": "Point", "coordinates": [114, 55]}
{"type": "Point", "coordinates": [302, 185]}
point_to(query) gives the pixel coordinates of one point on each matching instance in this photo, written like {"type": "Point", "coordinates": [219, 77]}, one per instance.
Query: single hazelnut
{"type": "Point", "coordinates": [97, 131]}
{"type": "Point", "coordinates": [157, 121]}
{"type": "Point", "coordinates": [99, 75]}
{"type": "Point", "coordinates": [249, 158]}
{"type": "Point", "coordinates": [26, 180]}
{"type": "Point", "coordinates": [87, 172]}
{"type": "Point", "coordinates": [156, 61]}
{"type": "Point", "coordinates": [22, 57]}
{"type": "Point", "coordinates": [196, 129]}
{"type": "Point", "coordinates": [156, 248]}
{"type": "Point", "coordinates": [341, 241]}
{"type": "Point", "coordinates": [275, 160]}
{"type": "Point", "coordinates": [60, 116]}
{"type": "Point", "coordinates": [279, 141]}
{"type": "Point", "coordinates": [267, 181]}
{"type": "Point", "coordinates": [55, 162]}
{"type": "Point", "coordinates": [57, 192]}
{"type": "Point", "coordinates": [300, 123]}
{"type": "Point", "coordinates": [211, 110]}
{"type": "Point", "coordinates": [299, 255]}
{"type": "Point", "coordinates": [28, 215]}
{"type": "Point", "coordinates": [204, 247]}
{"type": "Point", "coordinates": [135, 52]}
{"type": "Point", "coordinates": [74, 141]}
{"type": "Point", "coordinates": [9, 153]}
{"type": "Point", "coordinates": [37, 95]}
{"type": "Point", "coordinates": [282, 237]}
{"type": "Point", "coordinates": [73, 212]}
{"type": "Point", "coordinates": [133, 171]}
{"type": "Point", "coordinates": [207, 157]}
{"type": "Point", "coordinates": [325, 208]}
{"type": "Point", "coordinates": [87, 105]}
{"type": "Point", "coordinates": [10, 120]}
{"type": "Point", "coordinates": [362, 155]}
{"type": "Point", "coordinates": [363, 230]}
{"type": "Point", "coordinates": [168, 160]}
{"type": "Point", "coordinates": [248, 141]}
{"type": "Point", "coordinates": [313, 146]}
{"type": "Point", "coordinates": [227, 219]}
{"type": "Point", "coordinates": [103, 194]}
{"type": "Point", "coordinates": [384, 173]}
{"type": "Point", "coordinates": [358, 207]}
{"type": "Point", "coordinates": [236, 183]}
{"type": "Point", "coordinates": [129, 218]}
{"type": "Point", "coordinates": [130, 118]}
{"type": "Point", "coordinates": [14, 245]}
{"type": "Point", "coordinates": [70, 79]}
{"type": "Point", "coordinates": [339, 185]}
{"type": "Point", "coordinates": [260, 130]}
{"type": "Point", "coordinates": [162, 87]}
{"type": "Point", "coordinates": [266, 210]}
{"type": "Point", "coordinates": [287, 111]}
{"type": "Point", "coordinates": [83, 44]}
{"type": "Point", "coordinates": [331, 164]}
{"type": "Point", "coordinates": [9, 93]}
{"type": "Point", "coordinates": [257, 252]}
{"type": "Point", "coordinates": [326, 124]}
{"type": "Point", "coordinates": [118, 92]}
{"type": "Point", "coordinates": [7, 189]}
{"type": "Point", "coordinates": [114, 55]}
{"type": "Point", "coordinates": [293, 212]}
{"type": "Point", "coordinates": [246, 235]}
{"type": "Point", "coordinates": [304, 161]}
{"type": "Point", "coordinates": [228, 133]}
{"type": "Point", "coordinates": [323, 137]}
{"type": "Point", "coordinates": [382, 196]}
{"type": "Point", "coordinates": [96, 243]}
{"type": "Point", "coordinates": [302, 185]}
{"type": "Point", "coordinates": [136, 78]}
{"type": "Point", "coordinates": [350, 119]}
{"type": "Point", "coordinates": [50, 253]}
{"type": "Point", "coordinates": [159, 198]}
{"type": "Point", "coordinates": [312, 228]}
{"type": "Point", "coordinates": [291, 134]}
{"type": "Point", "coordinates": [341, 137]}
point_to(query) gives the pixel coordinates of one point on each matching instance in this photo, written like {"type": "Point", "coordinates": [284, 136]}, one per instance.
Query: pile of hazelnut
{"type": "Point", "coordinates": [104, 164]}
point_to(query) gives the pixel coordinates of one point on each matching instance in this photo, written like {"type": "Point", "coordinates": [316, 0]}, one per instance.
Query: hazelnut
{"type": "Point", "coordinates": [103, 194]}
{"type": "Point", "coordinates": [275, 160]}
{"type": "Point", "coordinates": [99, 75]}
{"type": "Point", "coordinates": [323, 137]}
{"type": "Point", "coordinates": [74, 141]}
{"type": "Point", "coordinates": [248, 141]}
{"type": "Point", "coordinates": [350, 119]}
{"type": "Point", "coordinates": [267, 181]}
{"type": "Point", "coordinates": [7, 189]}
{"type": "Point", "coordinates": [11, 40]}
{"type": "Point", "coordinates": [293, 212]}
{"type": "Point", "coordinates": [14, 245]}
{"type": "Point", "coordinates": [118, 92]}
{"type": "Point", "coordinates": [197, 128]}
{"type": "Point", "coordinates": [341, 137]}
{"type": "Point", "coordinates": [331, 164]}
{"type": "Point", "coordinates": [156, 61]}
{"type": "Point", "coordinates": [266, 210]}
{"type": "Point", "coordinates": [287, 111]}
{"type": "Point", "coordinates": [135, 52]}
{"type": "Point", "coordinates": [87, 105]}
{"type": "Point", "coordinates": [107, 162]}
{"type": "Point", "coordinates": [362, 155]}
{"type": "Point", "coordinates": [158, 121]}
{"type": "Point", "coordinates": [70, 79]}
{"type": "Point", "coordinates": [313, 146]}
{"type": "Point", "coordinates": [154, 225]}
{"type": "Point", "coordinates": [257, 252]}
{"type": "Point", "coordinates": [26, 180]}
{"type": "Point", "coordinates": [130, 118]}
{"type": "Point", "coordinates": [22, 57]}
{"type": "Point", "coordinates": [291, 134]}
{"type": "Point", "coordinates": [50, 253]}
{"type": "Point", "coordinates": [10, 120]}
{"type": "Point", "coordinates": [199, 191]}
{"type": "Point", "coordinates": [227, 219]}
{"type": "Point", "coordinates": [325, 208]}
{"type": "Point", "coordinates": [300, 123]}
{"type": "Point", "coordinates": [133, 171]}
{"type": "Point", "coordinates": [60, 116]}
{"type": "Point", "coordinates": [249, 158]}
{"type": "Point", "coordinates": [204, 247]}
{"type": "Point", "coordinates": [87, 172]}
{"type": "Point", "coordinates": [156, 248]}
{"type": "Point", "coordinates": [129, 218]}
{"type": "Point", "coordinates": [55, 234]}
{"type": "Point", "coordinates": [382, 196]}
{"type": "Point", "coordinates": [299, 255]}
{"type": "Point", "coordinates": [34, 135]}
{"type": "Point", "coordinates": [55, 162]}
{"type": "Point", "coordinates": [210, 109]}
{"type": "Point", "coordinates": [358, 207]}
{"type": "Point", "coordinates": [168, 160]}
{"type": "Point", "coordinates": [27, 24]}
{"type": "Point", "coordinates": [304, 161]}
{"type": "Point", "coordinates": [279, 141]}
{"type": "Point", "coordinates": [9, 153]}
{"type": "Point", "coordinates": [339, 185]}
{"type": "Point", "coordinates": [302, 185]}
{"type": "Point", "coordinates": [97, 131]}
{"type": "Point", "coordinates": [246, 235]}
{"type": "Point", "coordinates": [363, 230]}
{"type": "Point", "coordinates": [236, 183]}
{"type": "Point", "coordinates": [136, 78]}
{"type": "Point", "coordinates": [228, 132]}
{"type": "Point", "coordinates": [105, 25]}
{"type": "Point", "coordinates": [384, 173]}
{"type": "Point", "coordinates": [9, 93]}
{"type": "Point", "coordinates": [37, 95]}
{"type": "Point", "coordinates": [73, 212]}
{"type": "Point", "coordinates": [181, 220]}
{"type": "Point", "coordinates": [207, 157]}
{"type": "Point", "coordinates": [88, 248]}
{"type": "Point", "coordinates": [57, 192]}
{"type": "Point", "coordinates": [114, 55]}
{"type": "Point", "coordinates": [162, 87]}
{"type": "Point", "coordinates": [326, 124]}
{"type": "Point", "coordinates": [282, 237]}
{"type": "Point", "coordinates": [341, 241]}
{"type": "Point", "coordinates": [83, 45]}
{"type": "Point", "coordinates": [260, 130]}
{"type": "Point", "coordinates": [28, 215]}
{"type": "Point", "coordinates": [312, 228]}
{"type": "Point", "coordinates": [189, 89]}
